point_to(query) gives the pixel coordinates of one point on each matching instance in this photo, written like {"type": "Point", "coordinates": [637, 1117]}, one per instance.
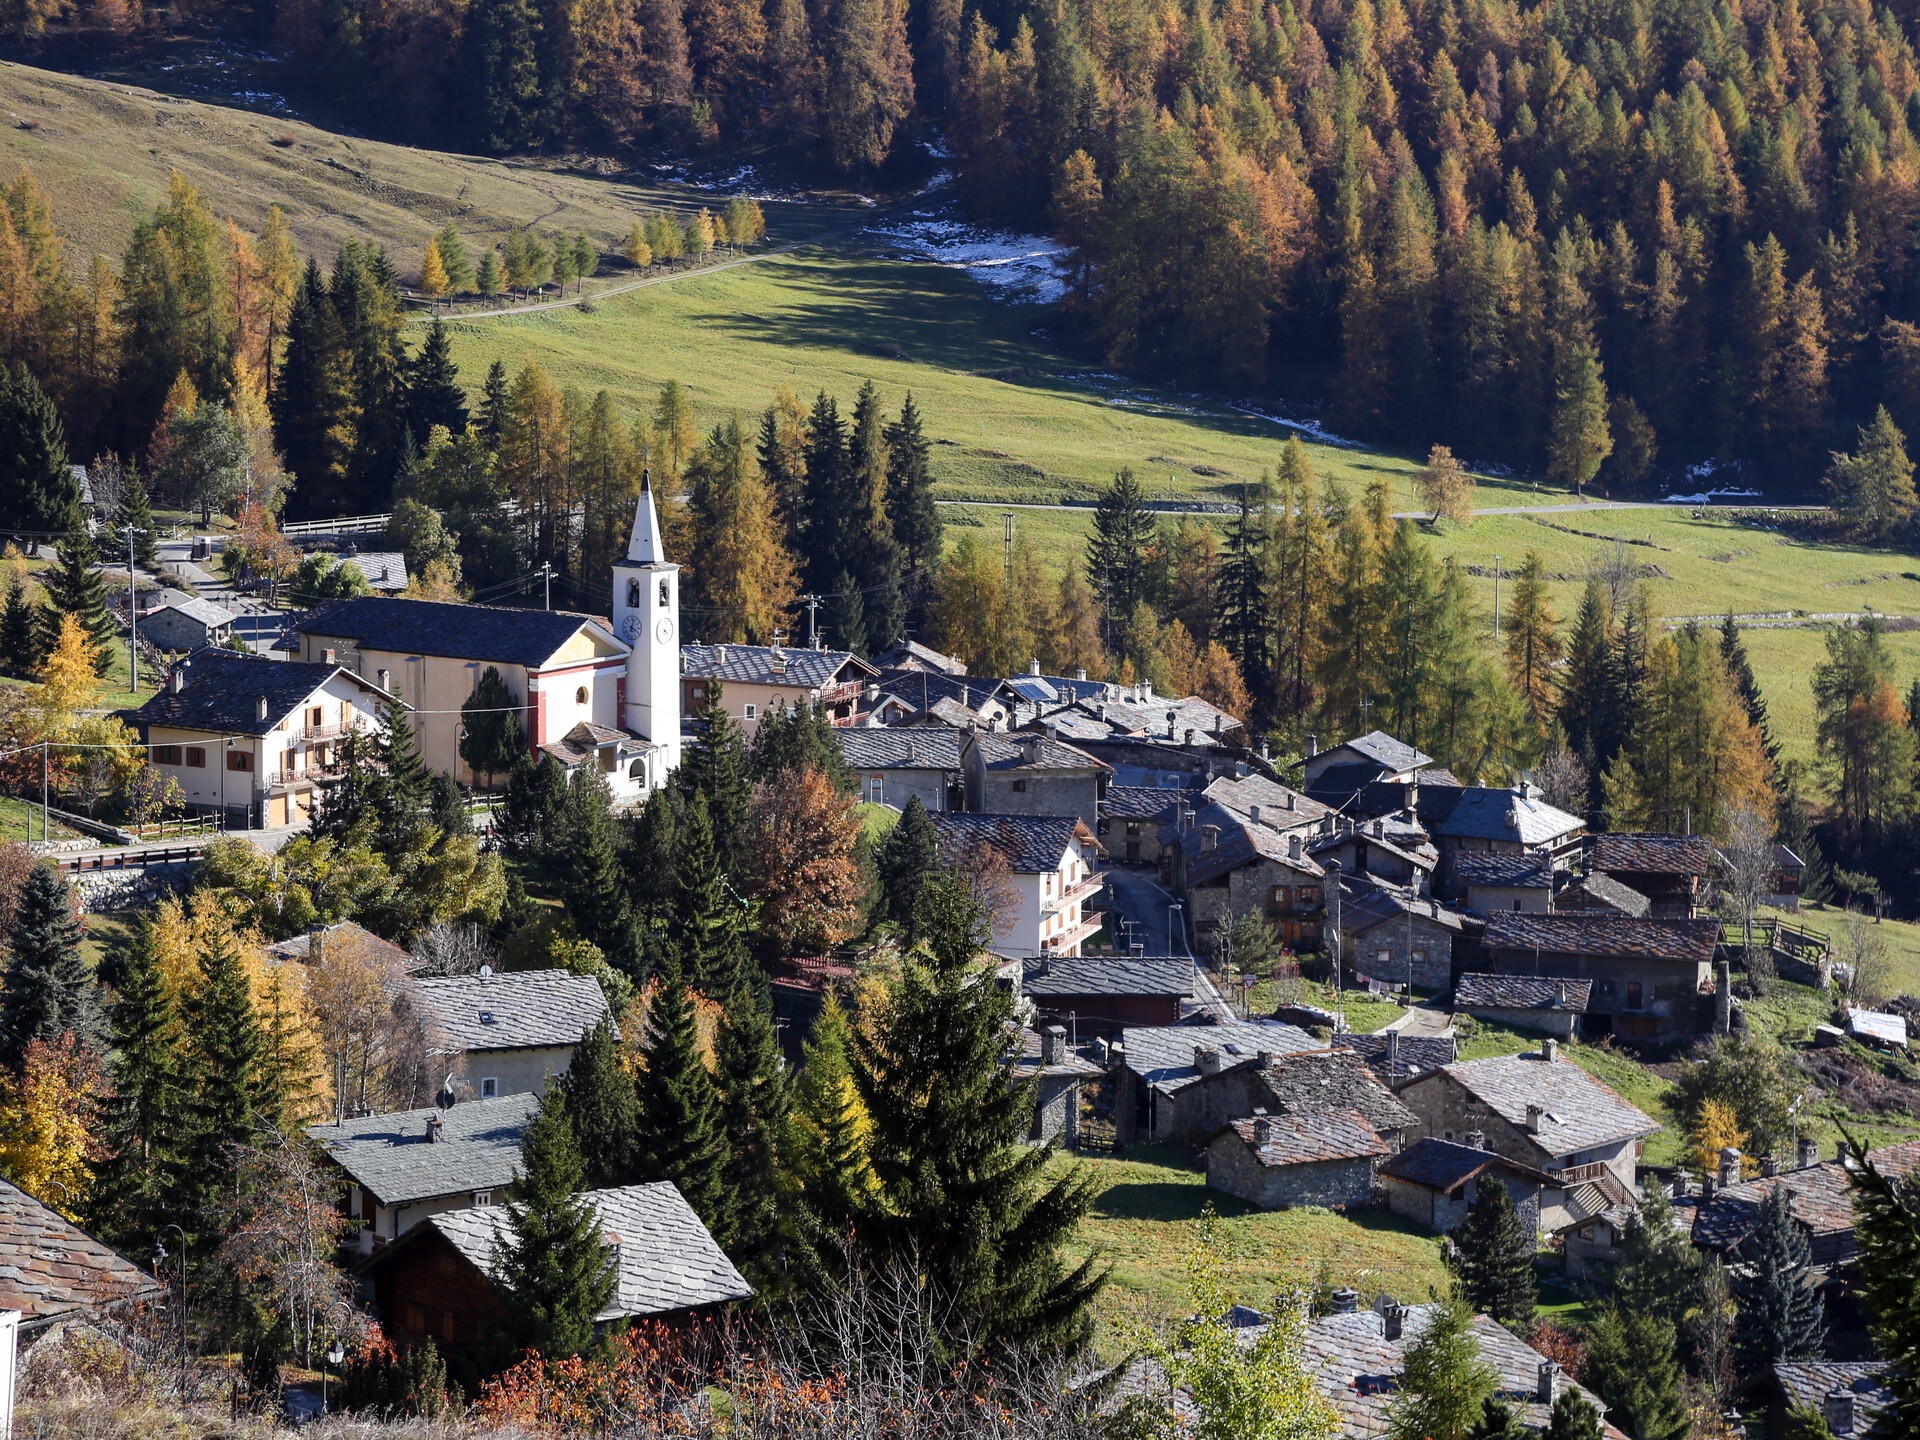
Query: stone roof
{"type": "Point", "coordinates": [299, 948]}
{"type": "Point", "coordinates": [1515, 872]}
{"type": "Point", "coordinates": [1649, 854]}
{"type": "Point", "coordinates": [1279, 805]}
{"type": "Point", "coordinates": [1809, 1382]}
{"type": "Point", "coordinates": [394, 1157]}
{"type": "Point", "coordinates": [51, 1269]}
{"type": "Point", "coordinates": [1315, 1080]}
{"type": "Point", "coordinates": [525, 1009]}
{"type": "Point", "coordinates": [1148, 717]}
{"type": "Point", "coordinates": [1033, 844]}
{"type": "Point", "coordinates": [1028, 1065]}
{"type": "Point", "coordinates": [1622, 937]}
{"type": "Point", "coordinates": [222, 690]}
{"type": "Point", "coordinates": [1521, 992]}
{"type": "Point", "coordinates": [921, 748]}
{"type": "Point", "coordinates": [1444, 1166]}
{"type": "Point", "coordinates": [1240, 842]}
{"type": "Point", "coordinates": [1478, 813]}
{"type": "Point", "coordinates": [585, 741]}
{"type": "Point", "coordinates": [668, 1261]}
{"type": "Point", "coordinates": [773, 665]}
{"type": "Point", "coordinates": [1009, 752]}
{"type": "Point", "coordinates": [1108, 975]}
{"type": "Point", "coordinates": [1306, 1139]}
{"type": "Point", "coordinates": [1412, 1055]}
{"type": "Point", "coordinates": [204, 611]}
{"type": "Point", "coordinates": [1822, 1198]}
{"type": "Point", "coordinates": [1384, 751]}
{"type": "Point", "coordinates": [912, 655]}
{"type": "Point", "coordinates": [1162, 1055]}
{"type": "Point", "coordinates": [1582, 1112]}
{"type": "Point", "coordinates": [969, 697]}
{"type": "Point", "coordinates": [500, 634]}
{"type": "Point", "coordinates": [1366, 904]}
{"type": "Point", "coordinates": [384, 569]}
{"type": "Point", "coordinates": [1140, 802]}
{"type": "Point", "coordinates": [1600, 891]}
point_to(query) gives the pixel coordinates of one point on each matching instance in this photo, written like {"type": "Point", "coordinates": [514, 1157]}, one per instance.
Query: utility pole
{"type": "Point", "coordinates": [1496, 599]}
{"type": "Point", "coordinates": [133, 616]}
{"type": "Point", "coordinates": [546, 572]}
{"type": "Point", "coordinates": [1009, 518]}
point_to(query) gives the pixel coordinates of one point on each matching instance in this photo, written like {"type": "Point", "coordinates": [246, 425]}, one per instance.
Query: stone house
{"type": "Point", "coordinates": [1489, 880]}
{"type": "Point", "coordinates": [1100, 994]}
{"type": "Point", "coordinates": [891, 766]}
{"type": "Point", "coordinates": [1389, 935]}
{"type": "Point", "coordinates": [1538, 1109]}
{"type": "Point", "coordinates": [1387, 848]}
{"type": "Point", "coordinates": [912, 655]}
{"type": "Point", "coordinates": [1474, 819]}
{"type": "Point", "coordinates": [1226, 865]}
{"type": "Point", "coordinates": [1649, 976]}
{"type": "Point", "coordinates": [1525, 1002]}
{"type": "Point", "coordinates": [1056, 1073]}
{"type": "Point", "coordinates": [249, 738]}
{"type": "Point", "coordinates": [1599, 892]}
{"type": "Point", "coordinates": [437, 1282]}
{"type": "Point", "coordinates": [187, 623]}
{"type": "Point", "coordinates": [1153, 1065]}
{"type": "Point", "coordinates": [1851, 1396]}
{"type": "Point", "coordinates": [1131, 818]}
{"type": "Point", "coordinates": [1029, 774]}
{"type": "Point", "coordinates": [1433, 1182]}
{"type": "Point", "coordinates": [1279, 1161]}
{"type": "Point", "coordinates": [1667, 869]}
{"type": "Point", "coordinates": [1279, 1082]}
{"type": "Point", "coordinates": [406, 1166]}
{"type": "Point", "coordinates": [1053, 862]}
{"type": "Point", "coordinates": [1374, 766]}
{"type": "Point", "coordinates": [518, 1030]}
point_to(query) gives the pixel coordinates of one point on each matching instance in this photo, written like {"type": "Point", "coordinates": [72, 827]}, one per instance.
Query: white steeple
{"type": "Point", "coordinates": [646, 615]}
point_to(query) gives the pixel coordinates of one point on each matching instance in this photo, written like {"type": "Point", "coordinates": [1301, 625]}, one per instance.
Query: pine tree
{"type": "Point", "coordinates": [1659, 1273]}
{"type": "Point", "coordinates": [504, 41]}
{"type": "Point", "coordinates": [1580, 439]}
{"type": "Point", "coordinates": [1733, 650]}
{"type": "Point", "coordinates": [717, 767]}
{"type": "Point", "coordinates": [1443, 1385]}
{"type": "Point", "coordinates": [1873, 487]}
{"type": "Point", "coordinates": [142, 1120]}
{"type": "Point", "coordinates": [487, 281]}
{"type": "Point", "coordinates": [224, 1063]}
{"type": "Point", "coordinates": [434, 396]}
{"type": "Point", "coordinates": [958, 1191]}
{"type": "Point", "coordinates": [1497, 1422]}
{"type": "Point", "coordinates": [869, 532]}
{"type": "Point", "coordinates": [1585, 689]}
{"type": "Point", "coordinates": [754, 1107]}
{"type": "Point", "coordinates": [652, 845]}
{"type": "Point", "coordinates": [1117, 552]}
{"type": "Point", "coordinates": [1633, 1365]}
{"type": "Point", "coordinates": [315, 407]}
{"type": "Point", "coordinates": [453, 257]}
{"type": "Point", "coordinates": [490, 736]}
{"type": "Point", "coordinates": [906, 858]}
{"type": "Point", "coordinates": [1492, 1253]}
{"type": "Point", "coordinates": [1782, 1314]}
{"type": "Point", "coordinates": [136, 510]}
{"type": "Point", "coordinates": [20, 630]}
{"type": "Point", "coordinates": [824, 500]}
{"type": "Point", "coordinates": [680, 1137]}
{"type": "Point", "coordinates": [603, 1108]}
{"type": "Point", "coordinates": [38, 492]}
{"type": "Point", "coordinates": [1246, 618]}
{"type": "Point", "coordinates": [592, 896]}
{"type": "Point", "coordinates": [403, 779]}
{"type": "Point", "coordinates": [846, 621]}
{"type": "Point", "coordinates": [1887, 1221]}
{"type": "Point", "coordinates": [1533, 644]}
{"type": "Point", "coordinates": [49, 989]}
{"type": "Point", "coordinates": [550, 1265]}
{"type": "Point", "coordinates": [910, 507]}
{"type": "Point", "coordinates": [75, 588]}
{"type": "Point", "coordinates": [1573, 1418]}
{"type": "Point", "coordinates": [707, 917]}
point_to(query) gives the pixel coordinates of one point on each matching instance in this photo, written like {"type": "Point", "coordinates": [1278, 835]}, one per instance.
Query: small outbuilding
{"type": "Point", "coordinates": [1099, 994]}
{"type": "Point", "coordinates": [188, 623]}
{"type": "Point", "coordinates": [1432, 1182]}
{"type": "Point", "coordinates": [1280, 1161]}
{"type": "Point", "coordinates": [1546, 1005]}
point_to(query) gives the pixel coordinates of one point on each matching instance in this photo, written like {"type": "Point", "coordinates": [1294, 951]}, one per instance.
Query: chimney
{"type": "Point", "coordinates": [1543, 1386]}
{"type": "Point", "coordinates": [177, 681]}
{"type": "Point", "coordinates": [326, 658]}
{"type": "Point", "coordinates": [1290, 800]}
{"type": "Point", "coordinates": [1294, 847]}
{"type": "Point", "coordinates": [1476, 1139]}
{"type": "Point", "coordinates": [780, 664]}
{"type": "Point", "coordinates": [1393, 1053]}
{"type": "Point", "coordinates": [1263, 1059]}
{"type": "Point", "coordinates": [1262, 1129]}
{"type": "Point", "coordinates": [1560, 993]}
{"type": "Point", "coordinates": [1029, 749]}
{"type": "Point", "coordinates": [1535, 1114]}
{"type": "Point", "coordinates": [1680, 1183]}
{"type": "Point", "coordinates": [1053, 1045]}
{"type": "Point", "coordinates": [1729, 1167]}
{"type": "Point", "coordinates": [1189, 735]}
{"type": "Point", "coordinates": [1209, 837]}
{"type": "Point", "coordinates": [1706, 1188]}
{"type": "Point", "coordinates": [1173, 719]}
{"type": "Point", "coordinates": [870, 693]}
{"type": "Point", "coordinates": [436, 1130]}
{"type": "Point", "coordinates": [1806, 1153]}
{"type": "Point", "coordinates": [1393, 1320]}
{"type": "Point", "coordinates": [1206, 1061]}
{"type": "Point", "coordinates": [1346, 1301]}
{"type": "Point", "coordinates": [1840, 1150]}
{"type": "Point", "coordinates": [1313, 746]}
{"type": "Point", "coordinates": [380, 676]}
{"type": "Point", "coordinates": [1769, 1166]}
{"type": "Point", "coordinates": [1033, 666]}
{"type": "Point", "coordinates": [260, 707]}
{"type": "Point", "coordinates": [719, 656]}
{"type": "Point", "coordinates": [1266, 752]}
{"type": "Point", "coordinates": [1080, 673]}
{"type": "Point", "coordinates": [1146, 689]}
{"type": "Point", "coordinates": [1839, 1410]}
{"type": "Point", "coordinates": [1549, 1050]}
{"type": "Point", "coordinates": [1253, 813]}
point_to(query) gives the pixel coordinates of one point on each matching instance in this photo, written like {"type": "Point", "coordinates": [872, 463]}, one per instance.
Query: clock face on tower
{"type": "Point", "coordinates": [663, 632]}
{"type": "Point", "coordinates": [630, 628]}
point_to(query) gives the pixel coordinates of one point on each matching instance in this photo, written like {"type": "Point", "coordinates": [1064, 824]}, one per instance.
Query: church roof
{"type": "Point", "coordinates": [647, 546]}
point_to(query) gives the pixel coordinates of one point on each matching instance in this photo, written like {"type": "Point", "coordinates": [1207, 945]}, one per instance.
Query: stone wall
{"type": "Point", "coordinates": [1432, 946]}
{"type": "Point", "coordinates": [104, 891]}
{"type": "Point", "coordinates": [1447, 1111]}
{"type": "Point", "coordinates": [1443, 1213]}
{"type": "Point", "coordinates": [1563, 1023]}
{"type": "Point", "coordinates": [1231, 1167]}
{"type": "Point", "coordinates": [1056, 1112]}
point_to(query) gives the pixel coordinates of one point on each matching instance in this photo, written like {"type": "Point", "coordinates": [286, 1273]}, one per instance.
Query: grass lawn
{"type": "Point", "coordinates": [1140, 1225]}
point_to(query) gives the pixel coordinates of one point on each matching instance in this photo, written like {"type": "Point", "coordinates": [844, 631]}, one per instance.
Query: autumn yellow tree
{"type": "Point", "coordinates": [799, 845]}
{"type": "Point", "coordinates": [743, 576]}
{"type": "Point", "coordinates": [67, 682]}
{"type": "Point", "coordinates": [1532, 637]}
{"type": "Point", "coordinates": [1219, 682]}
{"type": "Point", "coordinates": [972, 615]}
{"type": "Point", "coordinates": [1715, 1130]}
{"type": "Point", "coordinates": [49, 1142]}
{"type": "Point", "coordinates": [1444, 487]}
{"type": "Point", "coordinates": [637, 252]}
{"type": "Point", "coordinates": [433, 272]}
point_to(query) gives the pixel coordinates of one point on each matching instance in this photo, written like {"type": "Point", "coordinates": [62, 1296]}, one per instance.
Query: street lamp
{"type": "Point", "coordinates": [335, 1354]}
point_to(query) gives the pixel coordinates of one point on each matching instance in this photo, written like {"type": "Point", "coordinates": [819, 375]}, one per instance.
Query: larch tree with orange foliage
{"type": "Point", "coordinates": [799, 845]}
{"type": "Point", "coordinates": [1861, 731]}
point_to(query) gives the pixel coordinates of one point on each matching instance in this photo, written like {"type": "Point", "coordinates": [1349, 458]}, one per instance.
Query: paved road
{"type": "Point", "coordinates": [254, 621]}
{"type": "Point", "coordinates": [1424, 1020]}
{"type": "Point", "coordinates": [1137, 896]}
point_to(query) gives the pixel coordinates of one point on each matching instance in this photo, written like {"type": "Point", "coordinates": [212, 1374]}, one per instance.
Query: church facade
{"type": "Point", "coordinates": [588, 690]}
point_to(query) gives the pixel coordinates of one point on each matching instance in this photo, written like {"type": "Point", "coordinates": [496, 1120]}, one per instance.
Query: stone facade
{"type": "Point", "coordinates": [1441, 1212]}
{"type": "Point", "coordinates": [1565, 1024]}
{"type": "Point", "coordinates": [1056, 1111]}
{"type": "Point", "coordinates": [1381, 952]}
{"type": "Point", "coordinates": [1232, 1167]}
{"type": "Point", "coordinates": [1447, 1110]}
{"type": "Point", "coordinates": [1289, 898]}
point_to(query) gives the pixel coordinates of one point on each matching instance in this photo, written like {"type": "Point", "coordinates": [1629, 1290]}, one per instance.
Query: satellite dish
{"type": "Point", "coordinates": [485, 970]}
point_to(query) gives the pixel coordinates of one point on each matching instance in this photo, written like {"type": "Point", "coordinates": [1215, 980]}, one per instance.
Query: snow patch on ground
{"type": "Point", "coordinates": [1312, 429]}
{"type": "Point", "coordinates": [1712, 497]}
{"type": "Point", "coordinates": [1020, 267]}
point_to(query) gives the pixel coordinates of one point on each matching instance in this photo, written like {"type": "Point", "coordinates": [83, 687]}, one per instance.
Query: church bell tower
{"type": "Point", "coordinates": [646, 615]}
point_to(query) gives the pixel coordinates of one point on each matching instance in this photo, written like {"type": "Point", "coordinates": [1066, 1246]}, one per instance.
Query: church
{"type": "Point", "coordinates": [588, 689]}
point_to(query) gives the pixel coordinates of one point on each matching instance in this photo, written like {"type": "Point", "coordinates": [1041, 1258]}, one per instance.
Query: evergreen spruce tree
{"type": "Point", "coordinates": [224, 1063]}
{"type": "Point", "coordinates": [915, 518]}
{"type": "Point", "coordinates": [907, 858]}
{"type": "Point", "coordinates": [1633, 1365]}
{"type": "Point", "coordinates": [1573, 1418]}
{"type": "Point", "coordinates": [488, 281]}
{"type": "Point", "coordinates": [1793, 823]}
{"type": "Point", "coordinates": [793, 740]}
{"type": "Point", "coordinates": [1887, 1220]}
{"type": "Point", "coordinates": [20, 631]}
{"type": "Point", "coordinates": [959, 1194]}
{"type": "Point", "coordinates": [594, 898]}
{"type": "Point", "coordinates": [533, 820]}
{"type": "Point", "coordinates": [652, 846]}
{"type": "Point", "coordinates": [717, 767]}
{"type": "Point", "coordinates": [314, 404]}
{"type": "Point", "coordinates": [447, 805]}
{"type": "Point", "coordinates": [434, 396]}
{"type": "Point", "coordinates": [824, 501]}
{"type": "Point", "coordinates": [1585, 687]}
{"type": "Point", "coordinates": [828, 1144]}
{"type": "Point", "coordinates": [754, 1106]}
{"type": "Point", "coordinates": [550, 1267]}
{"type": "Point", "coordinates": [1660, 1272]}
{"type": "Point", "coordinates": [1246, 577]}
{"type": "Point", "coordinates": [75, 588]}
{"type": "Point", "coordinates": [1492, 1253]}
{"type": "Point", "coordinates": [453, 258]}
{"type": "Point", "coordinates": [872, 544]}
{"type": "Point", "coordinates": [49, 989]}
{"type": "Point", "coordinates": [1117, 552]}
{"type": "Point", "coordinates": [706, 925]}
{"type": "Point", "coordinates": [680, 1137]}
{"type": "Point", "coordinates": [846, 618]}
{"type": "Point", "coordinates": [494, 394]}
{"type": "Point", "coordinates": [603, 1107]}
{"type": "Point", "coordinates": [141, 1122]}
{"type": "Point", "coordinates": [490, 736]}
{"type": "Point", "coordinates": [1782, 1315]}
{"type": "Point", "coordinates": [38, 492]}
{"type": "Point", "coordinates": [1443, 1385]}
{"type": "Point", "coordinates": [136, 510]}
{"type": "Point", "coordinates": [1497, 1422]}
{"type": "Point", "coordinates": [404, 781]}
{"type": "Point", "coordinates": [1733, 650]}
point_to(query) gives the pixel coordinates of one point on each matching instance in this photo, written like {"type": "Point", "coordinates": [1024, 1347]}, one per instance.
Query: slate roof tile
{"type": "Point", "coordinates": [519, 1010]}
{"type": "Point", "coordinates": [920, 748]}
{"type": "Point", "coordinates": [299, 948]}
{"type": "Point", "coordinates": [1517, 872]}
{"type": "Point", "coordinates": [1521, 992]}
{"type": "Point", "coordinates": [762, 665]}
{"type": "Point", "coordinates": [1444, 1166]}
{"type": "Point", "coordinates": [1650, 854]}
{"type": "Point", "coordinates": [1383, 750]}
{"type": "Point", "coordinates": [1582, 1112]}
{"type": "Point", "coordinates": [1822, 1198]}
{"type": "Point", "coordinates": [1413, 1055]}
{"type": "Point", "coordinates": [1240, 842]}
{"type": "Point", "coordinates": [1338, 1079]}
{"type": "Point", "coordinates": [503, 634]}
{"type": "Point", "coordinates": [1477, 813]}
{"type": "Point", "coordinates": [1809, 1382]}
{"type": "Point", "coordinates": [1140, 802]}
{"type": "Point", "coordinates": [1599, 891]}
{"type": "Point", "coordinates": [50, 1268]}
{"type": "Point", "coordinates": [1162, 1055]}
{"type": "Point", "coordinates": [1033, 844]}
{"type": "Point", "coordinates": [1279, 805]}
{"type": "Point", "coordinates": [1624, 937]}
{"type": "Point", "coordinates": [392, 1156]}
{"type": "Point", "coordinates": [1306, 1139]}
{"type": "Point", "coordinates": [1108, 975]}
{"type": "Point", "coordinates": [222, 688]}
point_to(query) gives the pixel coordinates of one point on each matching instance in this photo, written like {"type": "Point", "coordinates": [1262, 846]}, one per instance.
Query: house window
{"type": "Point", "coordinates": [482, 1197]}
{"type": "Point", "coordinates": [1419, 958]}
{"type": "Point", "coordinates": [580, 696]}
{"type": "Point", "coordinates": [489, 1088]}
{"type": "Point", "coordinates": [196, 757]}
{"type": "Point", "coordinates": [1278, 898]}
{"type": "Point", "coordinates": [416, 1320]}
{"type": "Point", "coordinates": [876, 786]}
{"type": "Point", "coordinates": [637, 771]}
{"type": "Point", "coordinates": [753, 712]}
{"type": "Point", "coordinates": [1383, 958]}
{"type": "Point", "coordinates": [1633, 995]}
{"type": "Point", "coordinates": [1019, 787]}
{"type": "Point", "coordinates": [1133, 827]}
{"type": "Point", "coordinates": [699, 692]}
{"type": "Point", "coordinates": [166, 754]}
{"type": "Point", "coordinates": [240, 760]}
{"type": "Point", "coordinates": [316, 717]}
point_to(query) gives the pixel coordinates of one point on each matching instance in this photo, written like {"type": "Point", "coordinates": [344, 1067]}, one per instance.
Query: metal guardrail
{"type": "Point", "coordinates": [344, 525]}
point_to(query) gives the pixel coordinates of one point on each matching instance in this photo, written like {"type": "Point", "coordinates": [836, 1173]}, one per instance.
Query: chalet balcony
{"type": "Point", "coordinates": [1065, 940]}
{"type": "Point", "coordinates": [1072, 896]}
